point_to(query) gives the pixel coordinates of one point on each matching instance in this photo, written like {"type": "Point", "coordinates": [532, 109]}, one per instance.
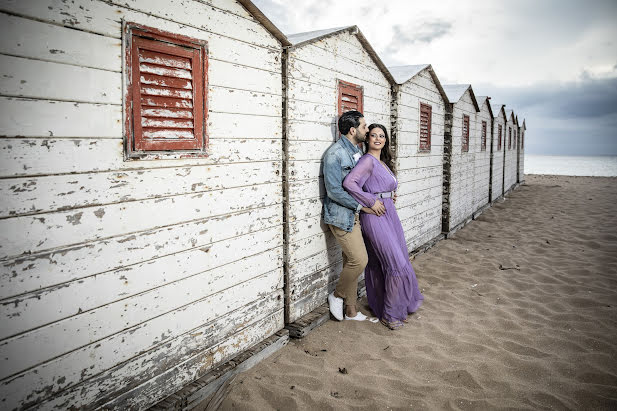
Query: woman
{"type": "Point", "coordinates": [391, 284]}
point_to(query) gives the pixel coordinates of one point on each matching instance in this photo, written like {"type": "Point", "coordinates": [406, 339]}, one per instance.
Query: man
{"type": "Point", "coordinates": [341, 214]}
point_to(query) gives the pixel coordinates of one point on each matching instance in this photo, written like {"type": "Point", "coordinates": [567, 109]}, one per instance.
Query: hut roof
{"type": "Point", "coordinates": [482, 99]}
{"type": "Point", "coordinates": [498, 109]}
{"type": "Point", "coordinates": [510, 114]}
{"type": "Point", "coordinates": [259, 16]}
{"type": "Point", "coordinates": [301, 39]}
{"type": "Point", "coordinates": [456, 91]}
{"type": "Point", "coordinates": [403, 74]}
{"type": "Point", "coordinates": [524, 126]}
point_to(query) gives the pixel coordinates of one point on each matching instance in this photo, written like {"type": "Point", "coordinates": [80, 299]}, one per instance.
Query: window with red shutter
{"type": "Point", "coordinates": [166, 93]}
{"type": "Point", "coordinates": [509, 138]}
{"type": "Point", "coordinates": [350, 97]}
{"type": "Point", "coordinates": [523, 140]}
{"type": "Point", "coordinates": [483, 142]}
{"type": "Point", "coordinates": [499, 137]}
{"type": "Point", "coordinates": [426, 114]}
{"type": "Point", "coordinates": [465, 136]}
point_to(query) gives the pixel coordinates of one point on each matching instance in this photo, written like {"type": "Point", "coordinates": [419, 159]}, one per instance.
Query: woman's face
{"type": "Point", "coordinates": [376, 139]}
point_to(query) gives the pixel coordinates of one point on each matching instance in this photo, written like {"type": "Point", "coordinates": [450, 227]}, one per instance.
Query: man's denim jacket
{"type": "Point", "coordinates": [339, 207]}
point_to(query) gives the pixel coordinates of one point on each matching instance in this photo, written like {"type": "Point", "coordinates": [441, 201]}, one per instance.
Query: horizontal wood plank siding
{"type": "Point", "coordinates": [420, 172]}
{"type": "Point", "coordinates": [498, 153]}
{"type": "Point", "coordinates": [122, 281]}
{"type": "Point", "coordinates": [314, 71]}
{"type": "Point", "coordinates": [482, 156]}
{"type": "Point", "coordinates": [511, 155]}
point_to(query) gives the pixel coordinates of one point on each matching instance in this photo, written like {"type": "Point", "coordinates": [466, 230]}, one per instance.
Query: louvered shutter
{"type": "Point", "coordinates": [483, 143]}
{"type": "Point", "coordinates": [167, 95]}
{"type": "Point", "coordinates": [425, 126]}
{"type": "Point", "coordinates": [465, 133]}
{"type": "Point", "coordinates": [509, 138]}
{"type": "Point", "coordinates": [499, 137]}
{"type": "Point", "coordinates": [350, 97]}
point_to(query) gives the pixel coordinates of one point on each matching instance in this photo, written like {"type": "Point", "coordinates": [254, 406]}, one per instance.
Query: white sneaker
{"type": "Point", "coordinates": [336, 306]}
{"type": "Point", "coordinates": [359, 317]}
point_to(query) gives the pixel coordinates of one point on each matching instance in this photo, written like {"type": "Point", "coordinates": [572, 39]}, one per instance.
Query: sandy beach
{"type": "Point", "coordinates": [520, 312]}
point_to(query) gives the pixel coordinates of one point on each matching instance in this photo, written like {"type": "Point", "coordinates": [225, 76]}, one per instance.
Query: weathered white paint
{"type": "Point", "coordinates": [313, 72]}
{"type": "Point", "coordinates": [499, 119]}
{"type": "Point", "coordinates": [510, 153]}
{"type": "Point", "coordinates": [461, 197]}
{"type": "Point", "coordinates": [420, 173]}
{"type": "Point", "coordinates": [482, 156]}
{"type": "Point", "coordinates": [121, 281]}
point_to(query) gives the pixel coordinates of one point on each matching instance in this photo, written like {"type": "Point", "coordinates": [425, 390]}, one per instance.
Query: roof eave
{"type": "Point", "coordinates": [258, 14]}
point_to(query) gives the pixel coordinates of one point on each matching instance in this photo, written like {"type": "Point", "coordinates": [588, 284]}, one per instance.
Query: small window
{"type": "Point", "coordinates": [165, 105]}
{"type": "Point", "coordinates": [350, 97]}
{"type": "Point", "coordinates": [499, 137]}
{"type": "Point", "coordinates": [426, 118]}
{"type": "Point", "coordinates": [509, 138]}
{"type": "Point", "coordinates": [465, 133]}
{"type": "Point", "coordinates": [483, 142]}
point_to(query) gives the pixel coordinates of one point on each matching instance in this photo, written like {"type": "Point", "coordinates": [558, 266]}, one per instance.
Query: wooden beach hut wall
{"type": "Point", "coordinates": [327, 72]}
{"type": "Point", "coordinates": [497, 151]}
{"type": "Point", "coordinates": [482, 155]}
{"type": "Point", "coordinates": [510, 160]}
{"type": "Point", "coordinates": [418, 124]}
{"type": "Point", "coordinates": [142, 208]}
{"type": "Point", "coordinates": [520, 177]}
{"type": "Point", "coordinates": [459, 153]}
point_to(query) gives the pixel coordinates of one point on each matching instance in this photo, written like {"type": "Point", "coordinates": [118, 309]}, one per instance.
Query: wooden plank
{"type": "Point", "coordinates": [37, 118]}
{"type": "Point", "coordinates": [27, 157]}
{"type": "Point", "coordinates": [235, 101]}
{"type": "Point", "coordinates": [199, 390]}
{"type": "Point", "coordinates": [105, 18]}
{"type": "Point", "coordinates": [245, 126]}
{"type": "Point", "coordinates": [36, 40]}
{"type": "Point", "coordinates": [97, 372]}
{"type": "Point", "coordinates": [55, 303]}
{"type": "Point", "coordinates": [30, 234]}
{"type": "Point", "coordinates": [301, 327]}
{"type": "Point", "coordinates": [23, 275]}
{"type": "Point", "coordinates": [238, 76]}
{"type": "Point", "coordinates": [29, 195]}
{"type": "Point", "coordinates": [37, 346]}
{"type": "Point", "coordinates": [307, 227]}
{"type": "Point", "coordinates": [41, 79]}
{"type": "Point", "coordinates": [298, 129]}
{"type": "Point", "coordinates": [303, 170]}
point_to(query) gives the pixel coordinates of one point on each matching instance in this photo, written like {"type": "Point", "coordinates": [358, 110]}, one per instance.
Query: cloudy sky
{"type": "Point", "coordinates": [554, 62]}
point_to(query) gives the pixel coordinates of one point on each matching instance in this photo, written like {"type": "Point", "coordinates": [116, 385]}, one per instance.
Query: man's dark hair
{"type": "Point", "coordinates": [348, 120]}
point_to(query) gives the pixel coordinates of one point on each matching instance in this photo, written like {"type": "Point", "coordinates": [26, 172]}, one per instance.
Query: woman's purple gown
{"type": "Point", "coordinates": [391, 285]}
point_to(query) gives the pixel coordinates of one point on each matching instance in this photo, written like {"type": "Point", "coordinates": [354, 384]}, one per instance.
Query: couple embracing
{"type": "Point", "coordinates": [359, 210]}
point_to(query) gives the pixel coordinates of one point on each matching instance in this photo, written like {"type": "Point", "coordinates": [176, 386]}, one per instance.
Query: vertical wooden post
{"type": "Point", "coordinates": [447, 168]}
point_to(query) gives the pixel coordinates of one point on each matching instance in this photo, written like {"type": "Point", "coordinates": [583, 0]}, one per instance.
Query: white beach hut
{"type": "Point", "coordinates": [418, 126]}
{"type": "Point", "coordinates": [459, 137]}
{"type": "Point", "coordinates": [510, 152]}
{"type": "Point", "coordinates": [142, 205]}
{"type": "Point", "coordinates": [520, 177]}
{"type": "Point", "coordinates": [497, 151]}
{"type": "Point", "coordinates": [482, 153]}
{"type": "Point", "coordinates": [327, 72]}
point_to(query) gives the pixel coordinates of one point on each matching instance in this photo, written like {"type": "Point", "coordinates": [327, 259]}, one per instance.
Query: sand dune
{"type": "Point", "coordinates": [538, 333]}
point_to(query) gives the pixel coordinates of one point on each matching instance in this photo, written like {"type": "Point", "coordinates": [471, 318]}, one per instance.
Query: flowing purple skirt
{"type": "Point", "coordinates": [391, 285]}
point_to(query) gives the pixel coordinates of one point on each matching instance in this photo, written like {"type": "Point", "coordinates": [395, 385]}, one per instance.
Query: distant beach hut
{"type": "Point", "coordinates": [482, 154]}
{"type": "Point", "coordinates": [142, 230]}
{"type": "Point", "coordinates": [459, 152]}
{"type": "Point", "coordinates": [497, 151]}
{"type": "Point", "coordinates": [510, 153]}
{"type": "Point", "coordinates": [418, 120]}
{"type": "Point", "coordinates": [520, 178]}
{"type": "Point", "coordinates": [327, 72]}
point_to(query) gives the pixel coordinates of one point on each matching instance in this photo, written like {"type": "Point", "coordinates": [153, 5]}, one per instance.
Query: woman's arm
{"type": "Point", "coordinates": [355, 181]}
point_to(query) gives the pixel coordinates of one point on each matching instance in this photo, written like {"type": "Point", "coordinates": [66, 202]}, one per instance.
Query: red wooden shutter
{"type": "Point", "coordinates": [426, 118]}
{"type": "Point", "coordinates": [509, 138]}
{"type": "Point", "coordinates": [168, 93]}
{"type": "Point", "coordinates": [350, 97]}
{"type": "Point", "coordinates": [483, 142]}
{"type": "Point", "coordinates": [523, 140]}
{"type": "Point", "coordinates": [499, 138]}
{"type": "Point", "coordinates": [465, 133]}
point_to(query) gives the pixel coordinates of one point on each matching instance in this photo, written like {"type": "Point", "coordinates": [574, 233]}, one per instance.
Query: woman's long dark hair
{"type": "Point", "coordinates": [386, 155]}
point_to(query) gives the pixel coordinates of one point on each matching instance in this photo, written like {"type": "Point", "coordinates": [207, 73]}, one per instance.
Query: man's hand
{"type": "Point", "coordinates": [367, 210]}
{"type": "Point", "coordinates": [378, 208]}
{"type": "Point", "coordinates": [394, 198]}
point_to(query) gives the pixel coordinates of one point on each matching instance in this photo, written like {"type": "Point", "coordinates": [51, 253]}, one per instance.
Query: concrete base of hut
{"type": "Point", "coordinates": [459, 226]}
{"type": "Point", "coordinates": [426, 246]}
{"type": "Point", "coordinates": [199, 390]}
{"type": "Point", "coordinates": [482, 209]}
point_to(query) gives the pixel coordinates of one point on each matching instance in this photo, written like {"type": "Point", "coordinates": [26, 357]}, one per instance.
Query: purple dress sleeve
{"type": "Point", "coordinates": [355, 181]}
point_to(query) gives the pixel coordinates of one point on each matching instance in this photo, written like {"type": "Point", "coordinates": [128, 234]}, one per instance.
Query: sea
{"type": "Point", "coordinates": [597, 166]}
